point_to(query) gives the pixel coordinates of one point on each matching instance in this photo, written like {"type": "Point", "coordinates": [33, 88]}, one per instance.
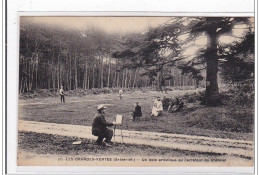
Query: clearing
{"type": "Point", "coordinates": [194, 119]}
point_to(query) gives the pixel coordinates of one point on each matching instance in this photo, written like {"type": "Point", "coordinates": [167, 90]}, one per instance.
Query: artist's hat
{"type": "Point", "coordinates": [101, 107]}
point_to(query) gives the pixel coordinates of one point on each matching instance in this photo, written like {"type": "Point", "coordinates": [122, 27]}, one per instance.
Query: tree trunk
{"type": "Point", "coordinates": [53, 67]}
{"type": "Point", "coordinates": [85, 77]}
{"type": "Point", "coordinates": [76, 71]}
{"type": "Point", "coordinates": [212, 94]}
{"type": "Point", "coordinates": [88, 82]}
{"type": "Point", "coordinates": [126, 72]}
{"type": "Point", "coordinates": [109, 72]}
{"type": "Point", "coordinates": [70, 76]}
{"type": "Point", "coordinates": [26, 85]}
{"type": "Point", "coordinates": [159, 77]}
{"type": "Point", "coordinates": [101, 72]}
{"type": "Point", "coordinates": [117, 79]}
{"type": "Point", "coordinates": [134, 83]}
{"type": "Point", "coordinates": [20, 85]}
{"type": "Point", "coordinates": [59, 76]}
{"type": "Point", "coordinates": [130, 79]}
{"type": "Point", "coordinates": [93, 77]}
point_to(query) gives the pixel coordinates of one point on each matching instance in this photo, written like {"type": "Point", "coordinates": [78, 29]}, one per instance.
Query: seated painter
{"type": "Point", "coordinates": [99, 127]}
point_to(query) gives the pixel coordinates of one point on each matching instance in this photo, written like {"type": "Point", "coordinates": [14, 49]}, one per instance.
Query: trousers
{"type": "Point", "coordinates": [106, 134]}
{"type": "Point", "coordinates": [62, 98]}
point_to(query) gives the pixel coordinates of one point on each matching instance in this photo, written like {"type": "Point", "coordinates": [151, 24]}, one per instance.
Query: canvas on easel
{"type": "Point", "coordinates": [119, 119]}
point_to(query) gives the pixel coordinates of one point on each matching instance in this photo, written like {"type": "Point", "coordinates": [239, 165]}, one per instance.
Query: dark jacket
{"type": "Point", "coordinates": [99, 124]}
{"type": "Point", "coordinates": [138, 111]}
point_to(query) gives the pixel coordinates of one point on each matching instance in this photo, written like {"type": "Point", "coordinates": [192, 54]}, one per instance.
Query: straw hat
{"type": "Point", "coordinates": [101, 107]}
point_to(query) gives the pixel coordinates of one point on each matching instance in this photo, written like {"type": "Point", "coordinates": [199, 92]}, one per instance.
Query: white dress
{"type": "Point", "coordinates": [157, 108]}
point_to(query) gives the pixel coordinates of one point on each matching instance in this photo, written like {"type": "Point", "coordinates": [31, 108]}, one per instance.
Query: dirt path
{"type": "Point", "coordinates": [232, 147]}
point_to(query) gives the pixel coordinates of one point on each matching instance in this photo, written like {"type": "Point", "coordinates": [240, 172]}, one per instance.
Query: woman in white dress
{"type": "Point", "coordinates": [157, 107]}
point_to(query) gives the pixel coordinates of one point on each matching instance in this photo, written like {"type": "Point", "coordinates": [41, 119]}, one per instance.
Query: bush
{"type": "Point", "coordinates": [41, 93]}
{"type": "Point", "coordinates": [242, 95]}
{"type": "Point", "coordinates": [193, 97]}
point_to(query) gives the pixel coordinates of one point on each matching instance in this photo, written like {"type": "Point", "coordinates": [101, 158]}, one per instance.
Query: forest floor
{"type": "Point", "coordinates": [223, 122]}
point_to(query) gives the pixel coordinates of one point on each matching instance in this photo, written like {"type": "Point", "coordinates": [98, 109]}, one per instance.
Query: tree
{"type": "Point", "coordinates": [213, 27]}
{"type": "Point", "coordinates": [237, 61]}
{"type": "Point", "coordinates": [162, 48]}
{"type": "Point", "coordinates": [155, 52]}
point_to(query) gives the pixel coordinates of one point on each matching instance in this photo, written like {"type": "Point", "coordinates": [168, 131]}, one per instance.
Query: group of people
{"type": "Point", "coordinates": [172, 105]}
{"type": "Point", "coordinates": [100, 125]}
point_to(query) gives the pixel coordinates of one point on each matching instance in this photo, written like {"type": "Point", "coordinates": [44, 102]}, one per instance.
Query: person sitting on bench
{"type": "Point", "coordinates": [99, 127]}
{"type": "Point", "coordinates": [137, 113]}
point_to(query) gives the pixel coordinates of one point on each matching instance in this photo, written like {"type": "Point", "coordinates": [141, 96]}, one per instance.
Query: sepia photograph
{"type": "Point", "coordinates": [136, 91]}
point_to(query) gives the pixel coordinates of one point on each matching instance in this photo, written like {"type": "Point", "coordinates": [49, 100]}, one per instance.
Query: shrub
{"type": "Point", "coordinates": [242, 94]}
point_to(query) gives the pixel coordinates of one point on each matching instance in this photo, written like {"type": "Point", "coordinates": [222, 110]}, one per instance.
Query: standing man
{"type": "Point", "coordinates": [137, 113]}
{"type": "Point", "coordinates": [99, 126]}
{"type": "Point", "coordinates": [62, 95]}
{"type": "Point", "coordinates": [120, 93]}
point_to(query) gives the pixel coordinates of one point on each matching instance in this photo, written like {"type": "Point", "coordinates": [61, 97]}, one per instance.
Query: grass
{"type": "Point", "coordinates": [194, 119]}
{"type": "Point", "coordinates": [61, 145]}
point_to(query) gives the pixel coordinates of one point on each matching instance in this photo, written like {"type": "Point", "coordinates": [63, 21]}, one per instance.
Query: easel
{"type": "Point", "coordinates": [119, 120]}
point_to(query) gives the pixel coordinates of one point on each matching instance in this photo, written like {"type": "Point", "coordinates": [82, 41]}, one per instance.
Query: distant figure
{"type": "Point", "coordinates": [137, 113]}
{"type": "Point", "coordinates": [62, 95]}
{"type": "Point", "coordinates": [99, 127]}
{"type": "Point", "coordinates": [157, 107]}
{"type": "Point", "coordinates": [120, 94]}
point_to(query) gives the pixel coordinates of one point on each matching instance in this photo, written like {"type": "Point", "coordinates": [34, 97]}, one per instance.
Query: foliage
{"type": "Point", "coordinates": [156, 53]}
{"type": "Point", "coordinates": [214, 28]}
{"type": "Point", "coordinates": [242, 94]}
{"type": "Point", "coordinates": [51, 57]}
{"type": "Point", "coordinates": [91, 58]}
{"type": "Point", "coordinates": [237, 63]}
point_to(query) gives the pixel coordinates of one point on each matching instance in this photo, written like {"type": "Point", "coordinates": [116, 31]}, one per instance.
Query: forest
{"type": "Point", "coordinates": [90, 57]}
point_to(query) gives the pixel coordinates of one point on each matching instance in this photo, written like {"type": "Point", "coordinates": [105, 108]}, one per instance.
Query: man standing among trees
{"type": "Point", "coordinates": [62, 95]}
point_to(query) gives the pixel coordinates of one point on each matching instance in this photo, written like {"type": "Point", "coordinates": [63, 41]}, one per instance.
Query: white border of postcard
{"type": "Point", "coordinates": [16, 8]}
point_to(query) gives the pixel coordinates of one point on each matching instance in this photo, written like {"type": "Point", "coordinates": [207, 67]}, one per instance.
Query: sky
{"type": "Point", "coordinates": [108, 24]}
{"type": "Point", "coordinates": [123, 25]}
